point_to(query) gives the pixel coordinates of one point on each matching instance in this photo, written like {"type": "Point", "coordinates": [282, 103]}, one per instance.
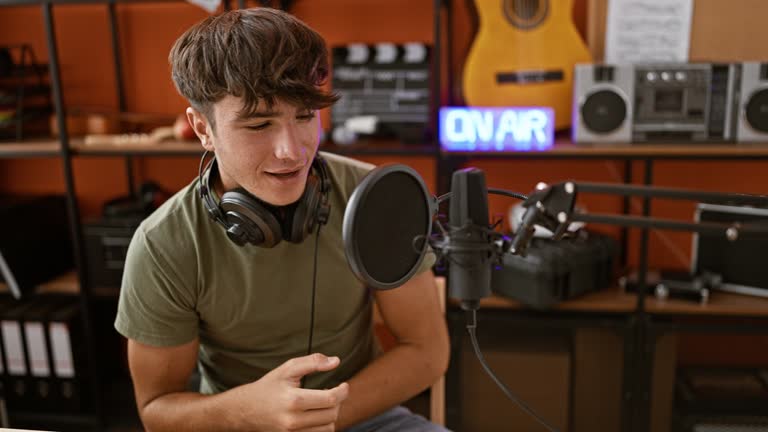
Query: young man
{"type": "Point", "coordinates": [192, 297]}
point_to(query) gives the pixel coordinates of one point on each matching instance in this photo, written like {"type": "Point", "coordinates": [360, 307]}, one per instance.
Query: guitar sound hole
{"type": "Point", "coordinates": [526, 14]}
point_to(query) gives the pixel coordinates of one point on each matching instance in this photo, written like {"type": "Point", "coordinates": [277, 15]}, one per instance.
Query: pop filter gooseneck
{"type": "Point", "coordinates": [387, 222]}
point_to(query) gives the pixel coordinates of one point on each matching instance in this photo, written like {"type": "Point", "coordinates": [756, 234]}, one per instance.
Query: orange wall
{"type": "Point", "coordinates": [147, 33]}
{"type": "Point", "coordinates": [148, 30]}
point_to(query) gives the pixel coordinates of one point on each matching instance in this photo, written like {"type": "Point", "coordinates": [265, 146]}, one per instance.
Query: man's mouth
{"type": "Point", "coordinates": [285, 175]}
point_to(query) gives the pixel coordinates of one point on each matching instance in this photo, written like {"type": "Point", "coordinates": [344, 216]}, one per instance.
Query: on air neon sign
{"type": "Point", "coordinates": [496, 129]}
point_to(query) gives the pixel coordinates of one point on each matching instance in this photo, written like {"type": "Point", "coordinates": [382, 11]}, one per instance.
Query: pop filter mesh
{"type": "Point", "coordinates": [394, 212]}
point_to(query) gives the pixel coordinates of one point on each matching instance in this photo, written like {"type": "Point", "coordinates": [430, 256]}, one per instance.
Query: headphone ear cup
{"type": "Point", "coordinates": [250, 219]}
{"type": "Point", "coordinates": [304, 218]}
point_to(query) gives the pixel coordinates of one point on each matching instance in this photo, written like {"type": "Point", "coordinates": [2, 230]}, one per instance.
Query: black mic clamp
{"type": "Point", "coordinates": [550, 207]}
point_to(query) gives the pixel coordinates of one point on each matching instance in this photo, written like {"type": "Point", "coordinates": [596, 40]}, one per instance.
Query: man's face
{"type": "Point", "coordinates": [269, 154]}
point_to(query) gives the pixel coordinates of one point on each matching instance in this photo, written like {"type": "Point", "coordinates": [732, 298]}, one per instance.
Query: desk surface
{"type": "Point", "coordinates": [611, 300]}
{"type": "Point", "coordinates": [720, 304]}
{"type": "Point", "coordinates": [615, 300]}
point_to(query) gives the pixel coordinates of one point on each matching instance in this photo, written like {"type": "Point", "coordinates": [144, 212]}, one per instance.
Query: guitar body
{"type": "Point", "coordinates": [523, 55]}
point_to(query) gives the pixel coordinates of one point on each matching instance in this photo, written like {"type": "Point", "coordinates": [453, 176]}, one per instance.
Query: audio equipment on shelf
{"type": "Point", "coordinates": [752, 125]}
{"type": "Point", "coordinates": [656, 103]}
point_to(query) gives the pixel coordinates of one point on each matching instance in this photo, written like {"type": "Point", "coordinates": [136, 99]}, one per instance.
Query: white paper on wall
{"type": "Point", "coordinates": [641, 31]}
{"type": "Point", "coordinates": [210, 6]}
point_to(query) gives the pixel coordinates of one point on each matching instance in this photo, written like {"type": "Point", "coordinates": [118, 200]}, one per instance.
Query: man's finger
{"type": "Point", "coordinates": [304, 399]}
{"type": "Point", "coordinates": [296, 368]}
{"type": "Point", "coordinates": [330, 427]}
{"type": "Point", "coordinates": [314, 418]}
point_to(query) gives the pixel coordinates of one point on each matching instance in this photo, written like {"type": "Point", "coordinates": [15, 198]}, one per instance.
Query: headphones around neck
{"type": "Point", "coordinates": [248, 219]}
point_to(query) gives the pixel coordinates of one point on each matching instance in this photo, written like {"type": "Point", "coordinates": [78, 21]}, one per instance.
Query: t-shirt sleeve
{"type": "Point", "coordinates": [428, 261]}
{"type": "Point", "coordinates": [157, 301]}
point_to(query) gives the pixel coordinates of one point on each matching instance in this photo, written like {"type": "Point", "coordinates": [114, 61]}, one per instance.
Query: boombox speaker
{"type": "Point", "coordinates": [753, 109]}
{"type": "Point", "coordinates": [603, 103]}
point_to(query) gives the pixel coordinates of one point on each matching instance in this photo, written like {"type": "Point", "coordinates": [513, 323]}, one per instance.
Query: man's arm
{"type": "Point", "coordinates": [420, 357]}
{"type": "Point", "coordinates": [273, 403]}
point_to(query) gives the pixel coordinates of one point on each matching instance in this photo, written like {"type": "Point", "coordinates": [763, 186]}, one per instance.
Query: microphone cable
{"type": "Point", "coordinates": [472, 318]}
{"type": "Point", "coordinates": [471, 326]}
{"type": "Point", "coordinates": [312, 304]}
{"type": "Point", "coordinates": [495, 191]}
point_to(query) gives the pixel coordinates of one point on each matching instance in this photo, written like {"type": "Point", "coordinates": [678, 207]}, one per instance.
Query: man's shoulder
{"type": "Point", "coordinates": [346, 166]}
{"type": "Point", "coordinates": [177, 212]}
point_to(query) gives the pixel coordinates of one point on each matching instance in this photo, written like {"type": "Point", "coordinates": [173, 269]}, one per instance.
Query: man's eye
{"type": "Point", "coordinates": [259, 126]}
{"type": "Point", "coordinates": [305, 117]}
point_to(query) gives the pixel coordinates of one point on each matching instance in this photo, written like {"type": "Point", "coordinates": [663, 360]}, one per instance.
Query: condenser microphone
{"type": "Point", "coordinates": [468, 247]}
{"type": "Point", "coordinates": [388, 227]}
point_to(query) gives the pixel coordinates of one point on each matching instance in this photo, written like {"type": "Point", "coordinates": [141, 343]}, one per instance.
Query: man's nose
{"type": "Point", "coordinates": [288, 146]}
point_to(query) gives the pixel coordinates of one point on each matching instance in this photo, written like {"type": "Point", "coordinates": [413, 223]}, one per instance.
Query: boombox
{"type": "Point", "coordinates": [670, 102]}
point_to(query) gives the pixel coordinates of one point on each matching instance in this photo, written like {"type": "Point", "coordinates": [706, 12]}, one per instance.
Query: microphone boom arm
{"type": "Point", "coordinates": [553, 208]}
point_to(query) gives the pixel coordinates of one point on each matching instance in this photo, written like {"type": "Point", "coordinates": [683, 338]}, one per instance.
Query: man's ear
{"type": "Point", "coordinates": [200, 125]}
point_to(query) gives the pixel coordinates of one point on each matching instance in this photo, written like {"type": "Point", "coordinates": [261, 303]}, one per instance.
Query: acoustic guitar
{"type": "Point", "coordinates": [523, 55]}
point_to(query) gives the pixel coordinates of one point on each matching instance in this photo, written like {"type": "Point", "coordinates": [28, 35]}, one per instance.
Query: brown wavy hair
{"type": "Point", "coordinates": [257, 54]}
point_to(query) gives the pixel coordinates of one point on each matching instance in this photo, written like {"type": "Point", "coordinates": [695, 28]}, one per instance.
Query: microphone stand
{"type": "Point", "coordinates": [553, 207]}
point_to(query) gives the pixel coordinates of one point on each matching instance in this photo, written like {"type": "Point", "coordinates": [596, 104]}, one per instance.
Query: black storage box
{"type": "Point", "coordinates": [722, 391]}
{"type": "Point", "coordinates": [106, 245]}
{"type": "Point", "coordinates": [554, 271]}
{"type": "Point", "coordinates": [741, 262]}
{"type": "Point", "coordinates": [35, 238]}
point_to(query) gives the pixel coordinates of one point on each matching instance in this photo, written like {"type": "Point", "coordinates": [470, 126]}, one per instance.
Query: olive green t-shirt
{"type": "Point", "coordinates": [249, 306]}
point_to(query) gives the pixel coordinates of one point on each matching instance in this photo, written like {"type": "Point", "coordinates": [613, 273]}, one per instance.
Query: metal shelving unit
{"type": "Point", "coordinates": [638, 327]}
{"type": "Point", "coordinates": [66, 148]}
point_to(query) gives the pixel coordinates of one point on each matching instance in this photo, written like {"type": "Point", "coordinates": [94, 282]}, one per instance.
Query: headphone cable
{"type": "Point", "coordinates": [312, 304]}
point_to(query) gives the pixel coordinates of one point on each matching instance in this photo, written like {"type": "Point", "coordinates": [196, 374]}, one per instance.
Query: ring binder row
{"type": "Point", "coordinates": [42, 357]}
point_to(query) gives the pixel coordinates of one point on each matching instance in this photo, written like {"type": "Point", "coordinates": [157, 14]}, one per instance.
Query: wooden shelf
{"type": "Point", "coordinates": [74, 2]}
{"type": "Point", "coordinates": [67, 283]}
{"type": "Point", "coordinates": [380, 147]}
{"type": "Point", "coordinates": [606, 301]}
{"type": "Point", "coordinates": [719, 304]}
{"type": "Point", "coordinates": [32, 148]}
{"type": "Point", "coordinates": [165, 148]}
{"type": "Point", "coordinates": [615, 300]}
{"type": "Point", "coordinates": [564, 147]}
{"type": "Point", "coordinates": [171, 148]}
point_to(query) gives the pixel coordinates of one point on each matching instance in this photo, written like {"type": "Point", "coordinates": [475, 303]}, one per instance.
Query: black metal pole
{"type": "Point", "coordinates": [436, 100]}
{"type": "Point", "coordinates": [670, 224]}
{"type": "Point", "coordinates": [643, 379]}
{"type": "Point", "coordinates": [116, 58]}
{"type": "Point", "coordinates": [119, 85]}
{"type": "Point", "coordinates": [437, 71]}
{"type": "Point", "coordinates": [449, 52]}
{"type": "Point", "coordinates": [648, 191]}
{"type": "Point", "coordinates": [625, 209]}
{"type": "Point", "coordinates": [73, 211]}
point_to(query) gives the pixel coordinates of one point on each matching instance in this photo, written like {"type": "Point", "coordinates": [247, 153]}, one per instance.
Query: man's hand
{"type": "Point", "coordinates": [277, 403]}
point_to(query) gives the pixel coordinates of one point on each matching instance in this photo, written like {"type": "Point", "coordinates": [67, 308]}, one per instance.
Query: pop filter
{"type": "Point", "coordinates": [386, 226]}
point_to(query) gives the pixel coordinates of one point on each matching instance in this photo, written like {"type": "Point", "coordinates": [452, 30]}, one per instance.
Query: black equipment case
{"type": "Point", "coordinates": [553, 271]}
